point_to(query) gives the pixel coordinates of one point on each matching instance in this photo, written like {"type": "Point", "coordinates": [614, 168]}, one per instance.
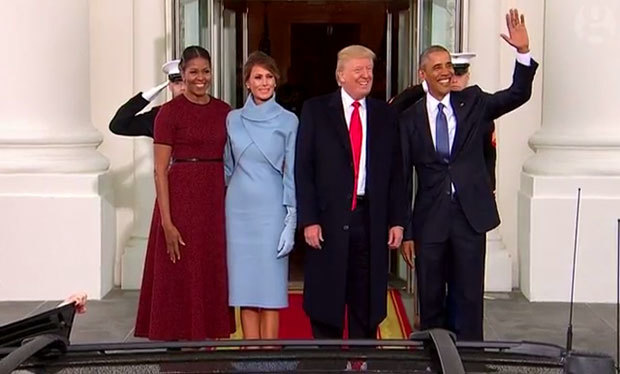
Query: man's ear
{"type": "Point", "coordinates": [339, 75]}
{"type": "Point", "coordinates": [421, 75]}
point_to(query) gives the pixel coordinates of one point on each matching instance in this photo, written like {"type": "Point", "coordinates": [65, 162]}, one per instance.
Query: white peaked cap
{"type": "Point", "coordinates": [171, 67]}
{"type": "Point", "coordinates": [462, 58]}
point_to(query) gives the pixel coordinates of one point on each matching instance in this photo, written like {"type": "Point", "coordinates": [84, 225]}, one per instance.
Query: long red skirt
{"type": "Point", "coordinates": [188, 300]}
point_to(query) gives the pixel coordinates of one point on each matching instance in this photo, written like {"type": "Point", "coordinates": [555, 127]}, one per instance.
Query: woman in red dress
{"type": "Point", "coordinates": [184, 294]}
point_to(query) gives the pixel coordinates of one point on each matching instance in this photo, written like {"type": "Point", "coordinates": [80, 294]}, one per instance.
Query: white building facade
{"type": "Point", "coordinates": [76, 200]}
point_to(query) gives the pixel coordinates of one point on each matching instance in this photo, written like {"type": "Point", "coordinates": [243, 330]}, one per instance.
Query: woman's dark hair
{"type": "Point", "coordinates": [191, 53]}
{"type": "Point", "coordinates": [263, 60]}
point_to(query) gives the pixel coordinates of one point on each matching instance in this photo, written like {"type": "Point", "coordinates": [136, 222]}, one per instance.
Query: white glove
{"type": "Point", "coordinates": [287, 238]}
{"type": "Point", "coordinates": [153, 92]}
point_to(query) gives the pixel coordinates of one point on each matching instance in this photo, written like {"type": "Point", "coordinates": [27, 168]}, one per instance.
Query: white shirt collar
{"type": "Point", "coordinates": [347, 101]}
{"type": "Point", "coordinates": [431, 102]}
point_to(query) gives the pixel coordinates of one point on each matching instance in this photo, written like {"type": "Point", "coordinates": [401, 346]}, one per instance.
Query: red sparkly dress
{"type": "Point", "coordinates": [188, 300]}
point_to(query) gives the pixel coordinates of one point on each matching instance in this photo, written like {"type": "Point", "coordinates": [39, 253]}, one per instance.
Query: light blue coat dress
{"type": "Point", "coordinates": [259, 161]}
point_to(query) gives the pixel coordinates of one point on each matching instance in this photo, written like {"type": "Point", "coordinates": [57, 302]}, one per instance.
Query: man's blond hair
{"type": "Point", "coordinates": [351, 52]}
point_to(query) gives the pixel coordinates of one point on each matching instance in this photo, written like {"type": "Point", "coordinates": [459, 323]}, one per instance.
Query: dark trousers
{"type": "Point", "coordinates": [458, 263]}
{"type": "Point", "coordinates": [452, 316]}
{"type": "Point", "coordinates": [358, 283]}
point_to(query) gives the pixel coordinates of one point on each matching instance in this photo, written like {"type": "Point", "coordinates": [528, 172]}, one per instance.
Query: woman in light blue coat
{"type": "Point", "coordinates": [260, 201]}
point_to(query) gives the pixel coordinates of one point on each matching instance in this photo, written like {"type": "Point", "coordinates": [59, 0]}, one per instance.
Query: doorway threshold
{"type": "Point", "coordinates": [295, 285]}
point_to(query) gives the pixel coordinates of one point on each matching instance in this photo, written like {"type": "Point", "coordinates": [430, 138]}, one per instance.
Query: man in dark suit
{"type": "Point", "coordinates": [127, 121]}
{"type": "Point", "coordinates": [443, 137]}
{"type": "Point", "coordinates": [459, 81]}
{"type": "Point", "coordinates": [350, 200]}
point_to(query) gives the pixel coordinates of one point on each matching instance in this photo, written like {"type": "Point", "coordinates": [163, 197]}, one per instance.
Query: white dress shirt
{"type": "Point", "coordinates": [347, 105]}
{"type": "Point", "coordinates": [524, 58]}
{"type": "Point", "coordinates": [432, 109]}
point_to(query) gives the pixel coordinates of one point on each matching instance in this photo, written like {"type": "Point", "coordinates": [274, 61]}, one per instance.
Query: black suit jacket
{"type": "Point", "coordinates": [412, 94]}
{"type": "Point", "coordinates": [474, 110]}
{"type": "Point", "coordinates": [127, 121]}
{"type": "Point", "coordinates": [324, 186]}
{"type": "Point", "coordinates": [407, 98]}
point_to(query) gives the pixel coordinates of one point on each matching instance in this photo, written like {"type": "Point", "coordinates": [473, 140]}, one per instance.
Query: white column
{"type": "Point", "coordinates": [58, 223]}
{"type": "Point", "coordinates": [149, 54]}
{"type": "Point", "coordinates": [577, 146]}
{"type": "Point", "coordinates": [484, 28]}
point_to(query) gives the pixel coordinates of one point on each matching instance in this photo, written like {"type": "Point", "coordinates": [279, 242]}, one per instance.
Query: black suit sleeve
{"type": "Point", "coordinates": [517, 94]}
{"type": "Point", "coordinates": [407, 98]}
{"type": "Point", "coordinates": [404, 124]}
{"type": "Point", "coordinates": [398, 199]}
{"type": "Point", "coordinates": [126, 121]}
{"type": "Point", "coordinates": [307, 210]}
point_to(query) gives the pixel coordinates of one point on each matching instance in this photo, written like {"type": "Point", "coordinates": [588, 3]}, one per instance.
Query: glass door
{"type": "Point", "coordinates": [402, 49]}
{"type": "Point", "coordinates": [221, 27]}
{"type": "Point", "coordinates": [441, 22]}
{"type": "Point", "coordinates": [234, 53]}
{"type": "Point", "coordinates": [400, 71]}
{"type": "Point", "coordinates": [192, 24]}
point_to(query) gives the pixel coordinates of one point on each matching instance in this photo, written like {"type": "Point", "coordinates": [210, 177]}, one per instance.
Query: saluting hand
{"type": "Point", "coordinates": [173, 239]}
{"type": "Point", "coordinates": [517, 32]}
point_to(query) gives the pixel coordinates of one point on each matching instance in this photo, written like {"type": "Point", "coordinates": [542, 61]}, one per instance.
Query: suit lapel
{"type": "Point", "coordinates": [373, 122]}
{"type": "Point", "coordinates": [460, 107]}
{"type": "Point", "coordinates": [336, 114]}
{"type": "Point", "coordinates": [427, 138]}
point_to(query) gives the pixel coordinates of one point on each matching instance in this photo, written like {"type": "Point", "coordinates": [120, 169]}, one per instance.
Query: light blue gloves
{"type": "Point", "coordinates": [287, 238]}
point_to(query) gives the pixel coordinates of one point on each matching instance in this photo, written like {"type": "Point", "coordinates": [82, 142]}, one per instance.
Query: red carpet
{"type": "Point", "coordinates": [294, 324]}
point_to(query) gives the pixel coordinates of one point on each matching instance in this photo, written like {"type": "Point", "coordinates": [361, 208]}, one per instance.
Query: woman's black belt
{"type": "Point", "coordinates": [195, 159]}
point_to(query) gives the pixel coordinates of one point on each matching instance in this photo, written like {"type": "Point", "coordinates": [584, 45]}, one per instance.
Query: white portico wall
{"type": "Point", "coordinates": [492, 70]}
{"type": "Point", "coordinates": [56, 214]}
{"type": "Point", "coordinates": [577, 146]}
{"type": "Point", "coordinates": [149, 53]}
{"type": "Point", "coordinates": [128, 47]}
{"type": "Point", "coordinates": [484, 27]}
{"type": "Point", "coordinates": [111, 50]}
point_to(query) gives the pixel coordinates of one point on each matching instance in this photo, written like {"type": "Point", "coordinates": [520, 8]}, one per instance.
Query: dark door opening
{"type": "Point", "coordinates": [310, 73]}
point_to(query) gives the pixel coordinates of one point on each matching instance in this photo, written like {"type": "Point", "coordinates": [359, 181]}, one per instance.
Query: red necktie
{"type": "Point", "coordinates": [355, 135]}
